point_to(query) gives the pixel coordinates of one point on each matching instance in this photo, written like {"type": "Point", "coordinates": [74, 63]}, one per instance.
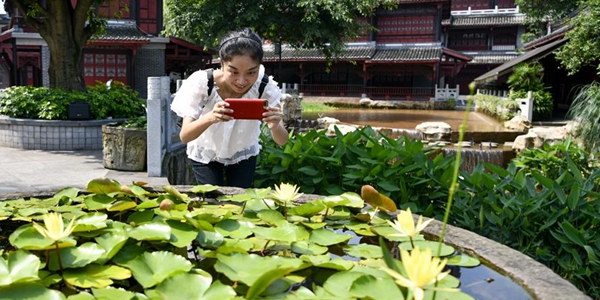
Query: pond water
{"type": "Point", "coordinates": [480, 282]}
{"type": "Point", "coordinates": [409, 118]}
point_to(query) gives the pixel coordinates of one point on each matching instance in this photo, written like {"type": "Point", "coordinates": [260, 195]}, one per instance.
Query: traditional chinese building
{"type": "Point", "coordinates": [131, 50]}
{"type": "Point", "coordinates": [421, 44]}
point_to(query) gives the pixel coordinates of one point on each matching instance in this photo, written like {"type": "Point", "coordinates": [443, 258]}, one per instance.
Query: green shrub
{"type": "Point", "coordinates": [117, 100]}
{"type": "Point", "coordinates": [542, 103]}
{"type": "Point", "coordinates": [545, 204]}
{"type": "Point", "coordinates": [403, 169]}
{"type": "Point", "coordinates": [498, 107]}
{"type": "Point", "coordinates": [28, 102]}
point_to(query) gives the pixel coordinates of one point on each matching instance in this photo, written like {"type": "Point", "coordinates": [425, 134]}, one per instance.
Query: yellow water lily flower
{"type": "Point", "coordinates": [54, 227]}
{"type": "Point", "coordinates": [405, 224]}
{"type": "Point", "coordinates": [286, 192]}
{"type": "Point", "coordinates": [422, 271]}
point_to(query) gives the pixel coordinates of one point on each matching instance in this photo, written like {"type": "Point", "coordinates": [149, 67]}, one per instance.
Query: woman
{"type": "Point", "coordinates": [222, 150]}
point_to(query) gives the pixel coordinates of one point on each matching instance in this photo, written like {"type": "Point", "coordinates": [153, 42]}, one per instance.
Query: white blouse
{"type": "Point", "coordinates": [224, 142]}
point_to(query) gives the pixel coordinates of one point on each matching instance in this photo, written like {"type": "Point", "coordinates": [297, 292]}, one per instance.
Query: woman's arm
{"type": "Point", "coordinates": [191, 128]}
{"type": "Point", "coordinates": [274, 119]}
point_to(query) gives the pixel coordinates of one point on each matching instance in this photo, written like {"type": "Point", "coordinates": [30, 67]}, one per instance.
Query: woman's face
{"type": "Point", "coordinates": [240, 73]}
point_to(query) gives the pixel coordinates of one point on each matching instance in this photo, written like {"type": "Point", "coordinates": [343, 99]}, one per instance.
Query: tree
{"type": "Point", "coordinates": [542, 12]}
{"type": "Point", "coordinates": [324, 25]}
{"type": "Point", "coordinates": [66, 28]}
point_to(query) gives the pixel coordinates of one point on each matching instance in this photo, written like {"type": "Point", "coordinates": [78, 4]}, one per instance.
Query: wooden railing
{"type": "Point", "coordinates": [375, 93]}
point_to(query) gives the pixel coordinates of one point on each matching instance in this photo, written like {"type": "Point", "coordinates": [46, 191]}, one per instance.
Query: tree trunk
{"type": "Point", "coordinates": [63, 27]}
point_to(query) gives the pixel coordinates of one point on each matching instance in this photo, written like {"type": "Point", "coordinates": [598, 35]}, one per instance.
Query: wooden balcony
{"type": "Point", "coordinates": [375, 93]}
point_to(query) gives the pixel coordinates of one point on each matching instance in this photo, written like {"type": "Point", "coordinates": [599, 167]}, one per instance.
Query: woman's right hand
{"type": "Point", "coordinates": [220, 112]}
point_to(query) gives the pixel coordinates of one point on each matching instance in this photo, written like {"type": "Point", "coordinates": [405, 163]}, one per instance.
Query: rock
{"type": "Point", "coordinates": [326, 121]}
{"type": "Point", "coordinates": [518, 123]}
{"type": "Point", "coordinates": [344, 129]}
{"type": "Point", "coordinates": [435, 131]}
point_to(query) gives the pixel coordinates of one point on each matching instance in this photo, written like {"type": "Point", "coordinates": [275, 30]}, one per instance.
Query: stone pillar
{"type": "Point", "coordinates": [154, 135]}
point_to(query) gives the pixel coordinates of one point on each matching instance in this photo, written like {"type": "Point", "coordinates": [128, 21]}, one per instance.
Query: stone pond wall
{"type": "Point", "coordinates": [51, 135]}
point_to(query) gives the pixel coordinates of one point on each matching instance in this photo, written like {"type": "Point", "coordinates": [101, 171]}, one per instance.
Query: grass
{"type": "Point", "coordinates": [311, 107]}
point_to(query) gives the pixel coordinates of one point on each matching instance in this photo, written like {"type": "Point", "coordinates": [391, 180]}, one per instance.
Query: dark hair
{"type": "Point", "coordinates": [241, 42]}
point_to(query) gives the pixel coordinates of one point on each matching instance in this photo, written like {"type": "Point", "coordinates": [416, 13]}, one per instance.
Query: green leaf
{"type": "Point", "coordinates": [265, 280]}
{"type": "Point", "coordinates": [29, 291]}
{"type": "Point", "coordinates": [155, 231]}
{"type": "Point", "coordinates": [103, 186]}
{"type": "Point", "coordinates": [304, 247]}
{"type": "Point", "coordinates": [286, 233]}
{"type": "Point", "coordinates": [112, 240]}
{"type": "Point", "coordinates": [308, 209]}
{"type": "Point", "coordinates": [573, 234]}
{"type": "Point", "coordinates": [19, 266]}
{"type": "Point", "coordinates": [150, 269]}
{"type": "Point", "coordinates": [203, 188]}
{"type": "Point", "coordinates": [326, 237]}
{"type": "Point", "coordinates": [76, 257]}
{"type": "Point", "coordinates": [463, 260]}
{"type": "Point", "coordinates": [184, 286]}
{"type": "Point", "coordinates": [27, 238]}
{"type": "Point", "coordinates": [98, 201]}
{"type": "Point", "coordinates": [370, 287]}
{"type": "Point", "coordinates": [90, 221]}
{"type": "Point", "coordinates": [235, 229]}
{"type": "Point", "coordinates": [445, 250]}
{"type": "Point", "coordinates": [340, 283]}
{"type": "Point", "coordinates": [112, 293]}
{"type": "Point", "coordinates": [364, 251]}
{"type": "Point", "coordinates": [182, 234]}
{"type": "Point", "coordinates": [94, 275]}
{"type": "Point", "coordinates": [247, 268]}
{"type": "Point", "coordinates": [574, 195]}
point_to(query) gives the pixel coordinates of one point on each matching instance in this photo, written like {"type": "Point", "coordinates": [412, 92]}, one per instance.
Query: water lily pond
{"type": "Point", "coordinates": [130, 242]}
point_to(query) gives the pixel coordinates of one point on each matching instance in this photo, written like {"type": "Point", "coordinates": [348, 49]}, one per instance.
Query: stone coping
{"type": "Point", "coordinates": [540, 281]}
{"type": "Point", "coordinates": [37, 134]}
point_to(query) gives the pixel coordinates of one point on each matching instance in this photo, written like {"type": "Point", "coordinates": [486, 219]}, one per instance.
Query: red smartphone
{"type": "Point", "coordinates": [247, 109]}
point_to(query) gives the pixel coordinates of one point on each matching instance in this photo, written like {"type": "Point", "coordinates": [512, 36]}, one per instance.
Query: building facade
{"type": "Point", "coordinates": [131, 50]}
{"type": "Point", "coordinates": [420, 45]}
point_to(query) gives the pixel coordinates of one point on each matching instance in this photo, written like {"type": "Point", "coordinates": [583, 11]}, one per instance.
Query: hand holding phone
{"type": "Point", "coordinates": [247, 109]}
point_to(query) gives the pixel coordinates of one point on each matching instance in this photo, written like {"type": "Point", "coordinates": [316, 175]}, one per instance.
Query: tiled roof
{"type": "Point", "coordinates": [485, 20]}
{"type": "Point", "coordinates": [124, 31]}
{"type": "Point", "coordinates": [408, 54]}
{"type": "Point", "coordinates": [491, 59]}
{"type": "Point", "coordinates": [372, 54]}
{"type": "Point", "coordinates": [557, 34]}
{"type": "Point", "coordinates": [288, 53]}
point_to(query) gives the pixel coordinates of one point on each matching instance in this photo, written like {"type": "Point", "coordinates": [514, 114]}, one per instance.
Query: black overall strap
{"type": "Point", "coordinates": [263, 84]}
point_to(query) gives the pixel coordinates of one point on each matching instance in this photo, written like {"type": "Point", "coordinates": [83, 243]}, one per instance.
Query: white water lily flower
{"type": "Point", "coordinates": [286, 192]}
{"type": "Point", "coordinates": [422, 271]}
{"type": "Point", "coordinates": [54, 227]}
{"type": "Point", "coordinates": [405, 224]}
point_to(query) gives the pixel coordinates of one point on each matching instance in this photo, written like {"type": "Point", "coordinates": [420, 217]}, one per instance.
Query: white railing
{"type": "Point", "coordinates": [503, 47]}
{"type": "Point", "coordinates": [496, 10]}
{"type": "Point", "coordinates": [444, 94]}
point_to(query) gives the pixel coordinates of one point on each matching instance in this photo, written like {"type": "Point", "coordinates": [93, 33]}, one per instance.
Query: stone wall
{"type": "Point", "coordinates": [51, 135]}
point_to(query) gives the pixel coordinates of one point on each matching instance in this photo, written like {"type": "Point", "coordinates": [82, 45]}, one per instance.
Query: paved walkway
{"type": "Point", "coordinates": [23, 171]}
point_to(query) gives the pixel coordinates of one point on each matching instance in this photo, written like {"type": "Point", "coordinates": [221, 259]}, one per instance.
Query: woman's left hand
{"type": "Point", "coordinates": [273, 116]}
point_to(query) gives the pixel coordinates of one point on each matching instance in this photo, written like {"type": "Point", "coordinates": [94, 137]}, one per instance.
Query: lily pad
{"type": "Point", "coordinates": [94, 275]}
{"type": "Point", "coordinates": [155, 231]}
{"type": "Point", "coordinates": [150, 269]}
{"type": "Point", "coordinates": [76, 257]}
{"type": "Point", "coordinates": [248, 268]}
{"type": "Point", "coordinates": [325, 237]}
{"type": "Point", "coordinates": [103, 186]}
{"type": "Point", "coordinates": [463, 260]}
{"type": "Point", "coordinates": [19, 266]}
{"type": "Point", "coordinates": [434, 246]}
{"type": "Point", "coordinates": [184, 286]}
{"type": "Point", "coordinates": [376, 199]}
{"type": "Point", "coordinates": [90, 221]}
{"type": "Point", "coordinates": [30, 291]}
{"type": "Point", "coordinates": [364, 251]}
